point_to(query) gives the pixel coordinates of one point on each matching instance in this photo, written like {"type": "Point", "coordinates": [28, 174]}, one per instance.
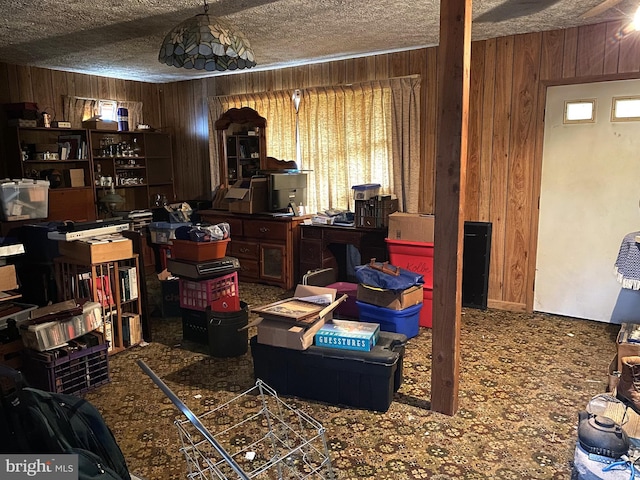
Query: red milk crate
{"type": "Point", "coordinates": [220, 294]}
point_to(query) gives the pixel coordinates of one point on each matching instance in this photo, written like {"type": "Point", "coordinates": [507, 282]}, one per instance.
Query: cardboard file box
{"type": "Point", "coordinates": [340, 377]}
{"type": "Point", "coordinates": [252, 198]}
{"type": "Point", "coordinates": [96, 250]}
{"type": "Point", "coordinates": [390, 299]}
{"type": "Point", "coordinates": [414, 227]}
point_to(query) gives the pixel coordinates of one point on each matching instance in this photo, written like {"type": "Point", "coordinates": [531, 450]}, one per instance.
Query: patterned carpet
{"type": "Point", "coordinates": [524, 377]}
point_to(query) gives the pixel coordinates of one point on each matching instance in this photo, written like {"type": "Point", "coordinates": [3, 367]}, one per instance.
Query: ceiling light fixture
{"type": "Point", "coordinates": [636, 19]}
{"type": "Point", "coordinates": [205, 42]}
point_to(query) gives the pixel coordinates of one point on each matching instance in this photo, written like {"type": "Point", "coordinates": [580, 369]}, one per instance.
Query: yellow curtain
{"type": "Point", "coordinates": [77, 109]}
{"type": "Point", "coordinates": [345, 136]}
{"type": "Point", "coordinates": [349, 135]}
{"type": "Point", "coordinates": [406, 142]}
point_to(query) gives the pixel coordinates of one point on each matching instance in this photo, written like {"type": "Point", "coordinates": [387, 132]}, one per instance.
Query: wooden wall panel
{"type": "Point", "coordinates": [474, 141]}
{"type": "Point", "coordinates": [611, 47]}
{"type": "Point", "coordinates": [570, 53]}
{"type": "Point", "coordinates": [501, 119]}
{"type": "Point", "coordinates": [590, 50]}
{"type": "Point", "coordinates": [486, 154]}
{"type": "Point", "coordinates": [629, 59]}
{"type": "Point", "coordinates": [524, 100]}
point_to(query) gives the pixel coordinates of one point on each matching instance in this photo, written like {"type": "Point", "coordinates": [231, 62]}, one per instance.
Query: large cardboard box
{"type": "Point", "coordinates": [8, 279]}
{"type": "Point", "coordinates": [390, 299]}
{"type": "Point", "coordinates": [415, 227]}
{"type": "Point", "coordinates": [98, 249]}
{"type": "Point", "coordinates": [282, 334]}
{"type": "Point", "coordinates": [249, 199]}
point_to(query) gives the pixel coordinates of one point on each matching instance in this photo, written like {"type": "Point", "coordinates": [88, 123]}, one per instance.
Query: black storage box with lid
{"type": "Point", "coordinates": [340, 377]}
{"type": "Point", "coordinates": [225, 333]}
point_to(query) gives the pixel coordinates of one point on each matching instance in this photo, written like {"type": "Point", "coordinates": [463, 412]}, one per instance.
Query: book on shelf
{"type": "Point", "coordinates": [348, 335]}
{"type": "Point", "coordinates": [128, 283]}
{"type": "Point", "coordinates": [131, 329]}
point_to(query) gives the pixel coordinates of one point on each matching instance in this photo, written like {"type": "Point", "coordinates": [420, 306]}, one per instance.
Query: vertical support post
{"type": "Point", "coordinates": [454, 54]}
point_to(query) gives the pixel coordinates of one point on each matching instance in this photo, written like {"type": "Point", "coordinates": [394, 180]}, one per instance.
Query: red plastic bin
{"type": "Point", "coordinates": [416, 257]}
{"type": "Point", "coordinates": [220, 294]}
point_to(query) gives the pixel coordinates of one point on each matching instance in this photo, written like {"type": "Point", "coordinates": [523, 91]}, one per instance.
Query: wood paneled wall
{"type": "Point", "coordinates": [509, 76]}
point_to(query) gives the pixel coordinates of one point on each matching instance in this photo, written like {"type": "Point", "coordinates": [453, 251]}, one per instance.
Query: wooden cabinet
{"type": "Point", "coordinates": [267, 247]}
{"type": "Point", "coordinates": [115, 285]}
{"type": "Point", "coordinates": [60, 155]}
{"type": "Point", "coordinates": [138, 165]}
{"type": "Point", "coordinates": [242, 141]}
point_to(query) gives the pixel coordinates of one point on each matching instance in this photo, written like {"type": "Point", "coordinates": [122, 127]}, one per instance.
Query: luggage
{"type": "Point", "coordinates": [37, 422]}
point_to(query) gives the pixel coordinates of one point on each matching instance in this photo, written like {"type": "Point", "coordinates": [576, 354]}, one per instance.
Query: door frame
{"type": "Point", "coordinates": [537, 167]}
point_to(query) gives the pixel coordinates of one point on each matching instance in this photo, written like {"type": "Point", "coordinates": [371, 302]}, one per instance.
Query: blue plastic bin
{"type": "Point", "coordinates": [404, 321]}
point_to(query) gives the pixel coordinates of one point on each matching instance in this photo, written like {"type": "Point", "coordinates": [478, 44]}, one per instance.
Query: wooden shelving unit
{"type": "Point", "coordinates": [102, 283]}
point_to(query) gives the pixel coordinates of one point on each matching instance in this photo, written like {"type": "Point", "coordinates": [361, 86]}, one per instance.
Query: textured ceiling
{"type": "Point", "coordinates": [121, 38]}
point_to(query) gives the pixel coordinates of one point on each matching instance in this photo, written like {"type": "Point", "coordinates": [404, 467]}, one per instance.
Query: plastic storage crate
{"type": "Point", "coordinates": [199, 251]}
{"type": "Point", "coordinates": [220, 294]}
{"type": "Point", "coordinates": [374, 213]}
{"type": "Point", "coordinates": [365, 191]}
{"type": "Point", "coordinates": [416, 257]}
{"type": "Point", "coordinates": [74, 373]}
{"type": "Point", "coordinates": [24, 199]}
{"type": "Point", "coordinates": [340, 377]}
{"type": "Point", "coordinates": [164, 233]}
{"type": "Point", "coordinates": [404, 321]}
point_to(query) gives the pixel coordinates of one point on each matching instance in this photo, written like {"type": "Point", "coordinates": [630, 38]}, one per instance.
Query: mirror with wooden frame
{"type": "Point", "coordinates": [242, 140]}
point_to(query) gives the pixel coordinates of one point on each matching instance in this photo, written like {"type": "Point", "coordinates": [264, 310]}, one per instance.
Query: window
{"type": "Point", "coordinates": [580, 111]}
{"type": "Point", "coordinates": [625, 109]}
{"type": "Point", "coordinates": [108, 110]}
{"type": "Point", "coordinates": [346, 135]}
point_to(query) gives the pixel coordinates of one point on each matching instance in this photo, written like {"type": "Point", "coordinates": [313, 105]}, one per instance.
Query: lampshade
{"type": "Point", "coordinates": [205, 42]}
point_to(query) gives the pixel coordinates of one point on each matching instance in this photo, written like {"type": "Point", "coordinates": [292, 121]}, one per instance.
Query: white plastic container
{"type": "Point", "coordinates": [365, 191]}
{"type": "Point", "coordinates": [24, 199]}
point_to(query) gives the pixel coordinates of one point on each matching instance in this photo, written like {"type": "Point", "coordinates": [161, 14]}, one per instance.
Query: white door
{"type": "Point", "coordinates": [588, 203]}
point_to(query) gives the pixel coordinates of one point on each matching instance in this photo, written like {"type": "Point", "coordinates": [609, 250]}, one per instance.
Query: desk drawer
{"type": "Point", "coordinates": [311, 232]}
{"type": "Point", "coordinates": [267, 230]}
{"type": "Point", "coordinates": [242, 249]}
{"type": "Point", "coordinates": [249, 270]}
{"type": "Point", "coordinates": [311, 251]}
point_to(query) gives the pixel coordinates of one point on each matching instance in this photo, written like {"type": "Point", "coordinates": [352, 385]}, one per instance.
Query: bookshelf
{"type": "Point", "coordinates": [113, 284]}
{"type": "Point", "coordinates": [139, 165]}
{"type": "Point", "coordinates": [61, 156]}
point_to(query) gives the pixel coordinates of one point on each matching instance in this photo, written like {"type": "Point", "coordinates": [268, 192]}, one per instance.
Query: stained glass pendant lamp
{"type": "Point", "coordinates": [205, 42]}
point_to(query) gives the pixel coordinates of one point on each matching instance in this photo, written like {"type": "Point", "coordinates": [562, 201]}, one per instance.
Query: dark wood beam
{"type": "Point", "coordinates": [454, 55]}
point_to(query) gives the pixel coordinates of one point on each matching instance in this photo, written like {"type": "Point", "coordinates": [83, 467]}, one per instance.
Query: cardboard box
{"type": "Point", "coordinates": [416, 227]}
{"type": "Point", "coordinates": [100, 125]}
{"type": "Point", "coordinates": [249, 199]}
{"type": "Point", "coordinates": [281, 334]}
{"type": "Point", "coordinates": [626, 349]}
{"type": "Point", "coordinates": [390, 299]}
{"type": "Point", "coordinates": [97, 250]}
{"type": "Point", "coordinates": [8, 279]}
{"type": "Point", "coordinates": [74, 177]}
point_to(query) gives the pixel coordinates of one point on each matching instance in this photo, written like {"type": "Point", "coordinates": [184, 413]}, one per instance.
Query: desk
{"type": "Point", "coordinates": [324, 246]}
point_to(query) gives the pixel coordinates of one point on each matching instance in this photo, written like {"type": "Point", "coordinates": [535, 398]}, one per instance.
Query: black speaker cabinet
{"type": "Point", "coordinates": [475, 264]}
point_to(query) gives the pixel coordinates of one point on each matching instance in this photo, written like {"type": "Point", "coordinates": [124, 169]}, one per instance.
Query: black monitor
{"type": "Point", "coordinates": [287, 188]}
